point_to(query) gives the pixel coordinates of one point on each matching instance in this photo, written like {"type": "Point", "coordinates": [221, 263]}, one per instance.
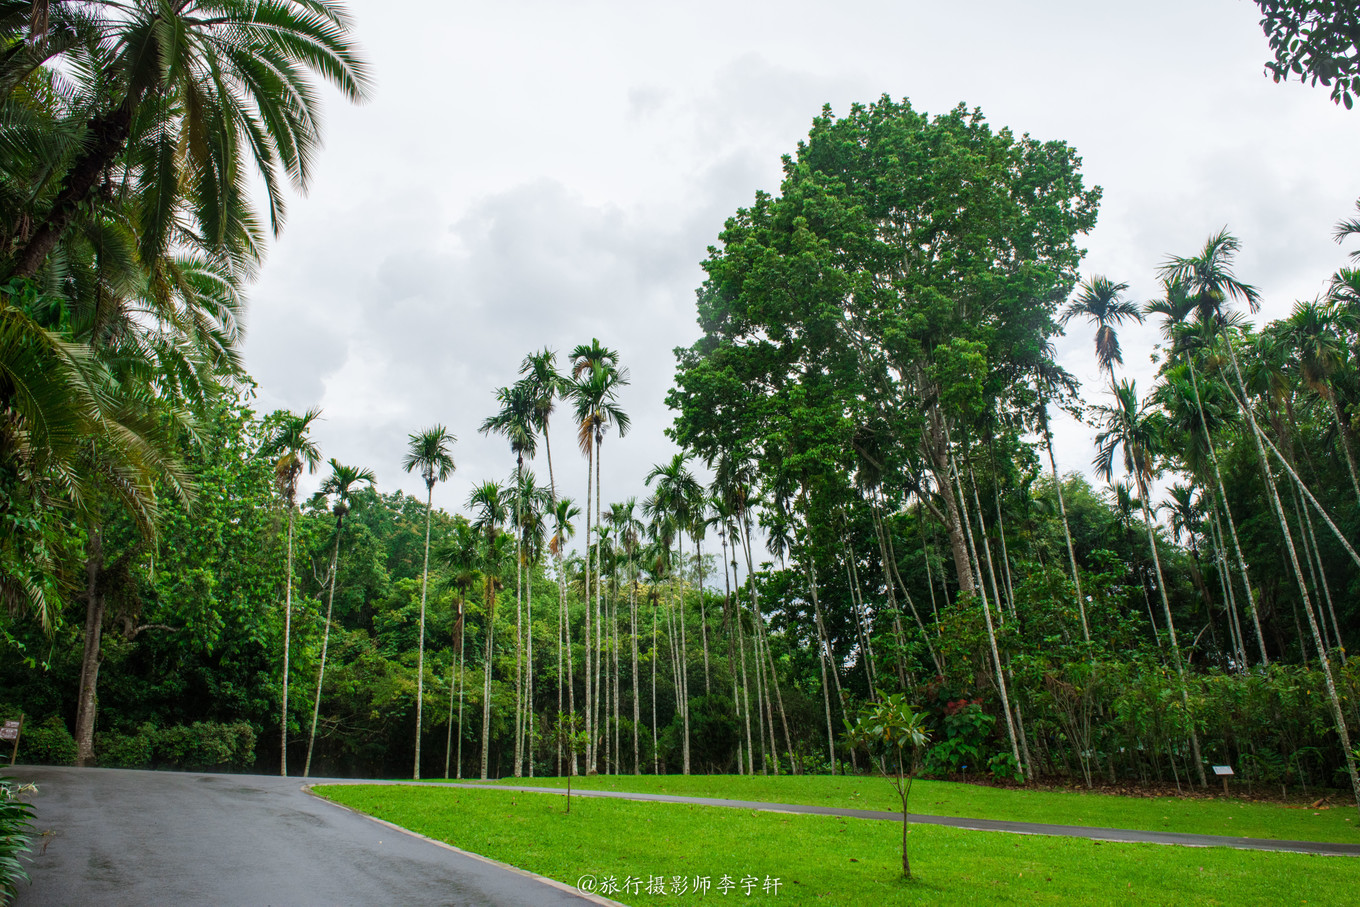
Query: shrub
{"type": "Point", "coordinates": [205, 745]}
{"type": "Point", "coordinates": [48, 743]}
{"type": "Point", "coordinates": [125, 750]}
{"type": "Point", "coordinates": [16, 819]}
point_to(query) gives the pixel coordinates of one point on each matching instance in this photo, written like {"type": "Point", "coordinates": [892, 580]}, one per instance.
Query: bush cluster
{"type": "Point", "coordinates": [16, 818]}
{"type": "Point", "coordinates": [203, 745]}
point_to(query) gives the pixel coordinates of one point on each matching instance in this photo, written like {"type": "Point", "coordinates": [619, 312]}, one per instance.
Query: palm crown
{"type": "Point", "coordinates": [428, 453]}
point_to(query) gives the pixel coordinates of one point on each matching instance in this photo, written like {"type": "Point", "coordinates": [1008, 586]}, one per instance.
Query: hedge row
{"type": "Point", "coordinates": [201, 745]}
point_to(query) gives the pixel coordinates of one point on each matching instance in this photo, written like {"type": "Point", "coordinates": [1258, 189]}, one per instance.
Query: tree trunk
{"type": "Point", "coordinates": [991, 632]}
{"type": "Point", "coordinates": [1258, 436]}
{"type": "Point", "coordinates": [108, 134]}
{"type": "Point", "coordinates": [633, 632]}
{"type": "Point", "coordinates": [519, 628]}
{"type": "Point", "coordinates": [684, 650]}
{"type": "Point", "coordinates": [590, 723]}
{"type": "Point", "coordinates": [1067, 530]}
{"type": "Point", "coordinates": [703, 617]}
{"type": "Point", "coordinates": [325, 642]}
{"type": "Point", "coordinates": [486, 673]}
{"type": "Point", "coordinates": [287, 644]}
{"type": "Point", "coordinates": [87, 701]}
{"type": "Point", "coordinates": [1232, 525]}
{"type": "Point", "coordinates": [1171, 631]}
{"type": "Point", "coordinates": [420, 656]}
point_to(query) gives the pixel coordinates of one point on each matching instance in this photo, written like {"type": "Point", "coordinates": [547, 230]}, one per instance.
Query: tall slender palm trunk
{"type": "Point", "coordinates": [633, 634]}
{"type": "Point", "coordinates": [519, 639]}
{"type": "Point", "coordinates": [703, 617]}
{"type": "Point", "coordinates": [824, 659]}
{"type": "Point", "coordinates": [287, 645]}
{"type": "Point", "coordinates": [486, 673]}
{"type": "Point", "coordinates": [1176, 657]}
{"type": "Point", "coordinates": [590, 712]}
{"type": "Point", "coordinates": [1067, 528]}
{"type": "Point", "coordinates": [1232, 524]}
{"type": "Point", "coordinates": [599, 597]}
{"type": "Point", "coordinates": [1334, 700]}
{"type": "Point", "coordinates": [462, 677]}
{"type": "Point", "coordinates": [981, 591]}
{"type": "Point", "coordinates": [744, 702]}
{"type": "Point", "coordinates": [677, 578]}
{"type": "Point", "coordinates": [763, 639]}
{"type": "Point", "coordinates": [325, 642]}
{"type": "Point", "coordinates": [420, 657]}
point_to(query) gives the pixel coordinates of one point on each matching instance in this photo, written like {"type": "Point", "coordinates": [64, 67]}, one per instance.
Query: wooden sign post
{"type": "Point", "coordinates": [11, 731]}
{"type": "Point", "coordinates": [1225, 772]}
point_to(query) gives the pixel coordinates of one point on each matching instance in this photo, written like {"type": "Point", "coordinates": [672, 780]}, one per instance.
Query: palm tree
{"type": "Point", "coordinates": [1177, 306]}
{"type": "Point", "coordinates": [175, 99]}
{"type": "Point", "coordinates": [516, 421]}
{"type": "Point", "coordinates": [673, 501]}
{"type": "Point", "coordinates": [1209, 279]}
{"type": "Point", "coordinates": [1311, 330]}
{"type": "Point", "coordinates": [292, 451]}
{"type": "Point", "coordinates": [428, 452]}
{"type": "Point", "coordinates": [595, 381]}
{"type": "Point", "coordinates": [488, 499]}
{"type": "Point", "coordinates": [543, 384]}
{"type": "Point", "coordinates": [1138, 430]}
{"type": "Point", "coordinates": [1100, 302]}
{"type": "Point", "coordinates": [340, 484]}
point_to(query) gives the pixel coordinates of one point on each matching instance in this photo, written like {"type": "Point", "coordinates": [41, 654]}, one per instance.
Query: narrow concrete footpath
{"type": "Point", "coordinates": [1022, 828]}
{"type": "Point", "coordinates": [117, 837]}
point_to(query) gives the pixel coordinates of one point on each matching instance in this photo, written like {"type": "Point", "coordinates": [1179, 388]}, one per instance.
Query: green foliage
{"type": "Point", "coordinates": [126, 750]}
{"type": "Point", "coordinates": [1317, 40]}
{"type": "Point", "coordinates": [16, 823]}
{"type": "Point", "coordinates": [206, 746]}
{"type": "Point", "coordinates": [966, 730]}
{"type": "Point", "coordinates": [48, 743]}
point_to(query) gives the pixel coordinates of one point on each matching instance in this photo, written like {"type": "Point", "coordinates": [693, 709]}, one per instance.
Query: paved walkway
{"type": "Point", "coordinates": [116, 837]}
{"type": "Point", "coordinates": [1023, 828]}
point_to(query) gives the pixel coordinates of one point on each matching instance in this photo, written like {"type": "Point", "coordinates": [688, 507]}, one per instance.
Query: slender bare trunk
{"type": "Point", "coordinates": [590, 722]}
{"type": "Point", "coordinates": [1335, 701]}
{"type": "Point", "coordinates": [486, 673]}
{"type": "Point", "coordinates": [1067, 529]}
{"type": "Point", "coordinates": [981, 591]}
{"type": "Point", "coordinates": [95, 603]}
{"type": "Point", "coordinates": [1232, 525]}
{"type": "Point", "coordinates": [325, 642]}
{"type": "Point", "coordinates": [420, 657]}
{"type": "Point", "coordinates": [287, 645]}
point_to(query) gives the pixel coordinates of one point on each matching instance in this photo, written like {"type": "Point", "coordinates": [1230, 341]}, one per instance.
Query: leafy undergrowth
{"type": "Point", "coordinates": [830, 860]}
{"type": "Point", "coordinates": [1191, 815]}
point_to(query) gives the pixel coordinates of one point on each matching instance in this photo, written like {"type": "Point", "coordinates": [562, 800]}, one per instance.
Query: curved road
{"type": "Point", "coordinates": [118, 837]}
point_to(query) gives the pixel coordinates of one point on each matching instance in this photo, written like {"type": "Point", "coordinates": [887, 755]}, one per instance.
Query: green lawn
{"type": "Point", "coordinates": [942, 798]}
{"type": "Point", "coordinates": [828, 860]}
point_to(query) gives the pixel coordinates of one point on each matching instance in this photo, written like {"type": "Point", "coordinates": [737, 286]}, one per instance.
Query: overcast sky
{"type": "Point", "coordinates": [533, 174]}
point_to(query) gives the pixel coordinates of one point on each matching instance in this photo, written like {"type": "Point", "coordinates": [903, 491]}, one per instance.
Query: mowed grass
{"type": "Point", "coordinates": [1223, 816]}
{"type": "Point", "coordinates": [829, 860]}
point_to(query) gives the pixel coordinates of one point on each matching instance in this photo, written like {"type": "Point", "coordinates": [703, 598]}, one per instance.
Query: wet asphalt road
{"type": "Point", "coordinates": [117, 837]}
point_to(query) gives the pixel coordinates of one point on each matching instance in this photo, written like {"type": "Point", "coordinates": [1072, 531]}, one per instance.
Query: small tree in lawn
{"type": "Point", "coordinates": [893, 732]}
{"type": "Point", "coordinates": [566, 733]}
